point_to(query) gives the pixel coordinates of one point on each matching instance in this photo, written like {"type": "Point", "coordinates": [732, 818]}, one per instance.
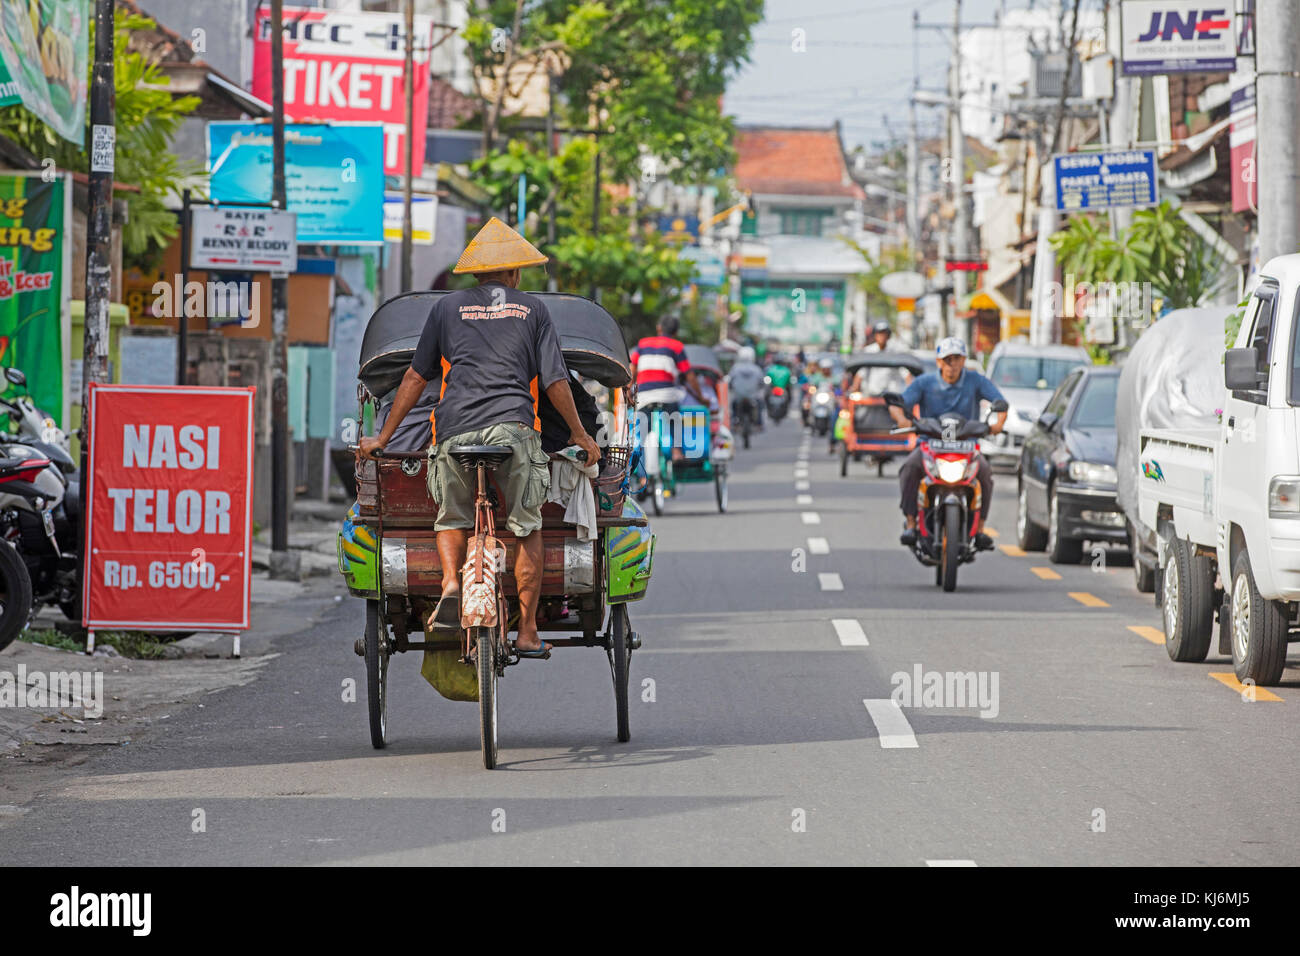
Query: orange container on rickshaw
{"type": "Point", "coordinates": [867, 424]}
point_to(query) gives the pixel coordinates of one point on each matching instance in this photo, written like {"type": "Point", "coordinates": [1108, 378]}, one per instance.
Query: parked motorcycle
{"type": "Point", "coordinates": [40, 514]}
{"type": "Point", "coordinates": [948, 498]}
{"type": "Point", "coordinates": [15, 583]}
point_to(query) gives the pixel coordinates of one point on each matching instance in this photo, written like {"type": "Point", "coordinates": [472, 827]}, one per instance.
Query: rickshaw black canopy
{"type": "Point", "coordinates": [590, 338]}
{"type": "Point", "coordinates": [885, 360]}
{"type": "Point", "coordinates": [703, 358]}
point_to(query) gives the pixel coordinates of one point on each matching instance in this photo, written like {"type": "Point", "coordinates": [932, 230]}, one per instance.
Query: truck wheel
{"type": "Point", "coordinates": [1259, 629]}
{"type": "Point", "coordinates": [1060, 550]}
{"type": "Point", "coordinates": [1188, 607]}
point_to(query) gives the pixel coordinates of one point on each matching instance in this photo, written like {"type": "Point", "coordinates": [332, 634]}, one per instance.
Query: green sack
{"type": "Point", "coordinates": [841, 425]}
{"type": "Point", "coordinates": [449, 677]}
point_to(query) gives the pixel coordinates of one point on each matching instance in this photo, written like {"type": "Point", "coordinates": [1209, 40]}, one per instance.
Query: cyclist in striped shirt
{"type": "Point", "coordinates": [661, 368]}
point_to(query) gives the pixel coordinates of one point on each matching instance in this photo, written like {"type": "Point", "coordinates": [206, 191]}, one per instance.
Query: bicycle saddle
{"type": "Point", "coordinates": [469, 456]}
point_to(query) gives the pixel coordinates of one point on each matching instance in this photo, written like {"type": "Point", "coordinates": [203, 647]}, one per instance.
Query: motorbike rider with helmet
{"type": "Point", "coordinates": [954, 389]}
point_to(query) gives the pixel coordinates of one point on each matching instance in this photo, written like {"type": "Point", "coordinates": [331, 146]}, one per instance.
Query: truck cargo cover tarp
{"type": "Point", "coordinates": [1172, 378]}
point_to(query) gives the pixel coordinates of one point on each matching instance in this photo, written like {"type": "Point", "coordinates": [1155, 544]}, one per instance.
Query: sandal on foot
{"type": "Point", "coordinates": [542, 653]}
{"type": "Point", "coordinates": [446, 616]}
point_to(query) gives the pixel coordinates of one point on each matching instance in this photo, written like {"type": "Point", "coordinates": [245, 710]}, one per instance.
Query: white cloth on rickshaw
{"type": "Point", "coordinates": [571, 487]}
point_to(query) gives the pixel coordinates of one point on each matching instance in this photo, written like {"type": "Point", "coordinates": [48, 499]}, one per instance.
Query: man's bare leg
{"type": "Point", "coordinates": [452, 544]}
{"type": "Point", "coordinates": [529, 561]}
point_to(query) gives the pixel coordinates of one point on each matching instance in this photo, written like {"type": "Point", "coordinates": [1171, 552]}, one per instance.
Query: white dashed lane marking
{"type": "Point", "coordinates": [891, 724]}
{"type": "Point", "coordinates": [818, 546]}
{"type": "Point", "coordinates": [850, 632]}
{"type": "Point", "coordinates": [802, 485]}
{"type": "Point", "coordinates": [803, 499]}
{"type": "Point", "coordinates": [810, 517]}
{"type": "Point", "coordinates": [949, 862]}
{"type": "Point", "coordinates": [830, 581]}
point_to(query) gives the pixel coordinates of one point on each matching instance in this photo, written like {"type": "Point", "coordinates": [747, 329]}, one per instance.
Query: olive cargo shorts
{"type": "Point", "coordinates": [524, 478]}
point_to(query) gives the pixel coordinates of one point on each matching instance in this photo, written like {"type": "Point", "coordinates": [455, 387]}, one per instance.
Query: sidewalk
{"type": "Point", "coordinates": [138, 695]}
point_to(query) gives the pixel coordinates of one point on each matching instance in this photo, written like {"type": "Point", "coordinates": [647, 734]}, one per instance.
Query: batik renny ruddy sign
{"type": "Point", "coordinates": [170, 492]}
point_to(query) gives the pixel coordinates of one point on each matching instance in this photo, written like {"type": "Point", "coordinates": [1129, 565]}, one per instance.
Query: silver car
{"type": "Point", "coordinates": [1027, 375]}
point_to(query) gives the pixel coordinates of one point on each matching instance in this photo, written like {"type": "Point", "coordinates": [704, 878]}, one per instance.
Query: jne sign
{"type": "Point", "coordinates": [170, 499]}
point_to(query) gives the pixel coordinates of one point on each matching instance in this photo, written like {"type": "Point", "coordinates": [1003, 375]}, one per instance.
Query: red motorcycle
{"type": "Point", "coordinates": [949, 496]}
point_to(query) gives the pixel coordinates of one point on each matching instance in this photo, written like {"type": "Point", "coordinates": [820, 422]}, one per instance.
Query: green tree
{"type": "Point", "coordinates": [148, 117]}
{"type": "Point", "coordinates": [650, 73]}
{"type": "Point", "coordinates": [640, 274]}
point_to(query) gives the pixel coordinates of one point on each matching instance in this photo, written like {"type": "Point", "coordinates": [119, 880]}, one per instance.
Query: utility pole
{"type": "Point", "coordinates": [913, 160]}
{"type": "Point", "coordinates": [408, 87]}
{"type": "Point", "coordinates": [283, 564]}
{"type": "Point", "coordinates": [551, 284]}
{"type": "Point", "coordinates": [959, 229]}
{"type": "Point", "coordinates": [99, 236]}
{"type": "Point", "coordinates": [1277, 91]}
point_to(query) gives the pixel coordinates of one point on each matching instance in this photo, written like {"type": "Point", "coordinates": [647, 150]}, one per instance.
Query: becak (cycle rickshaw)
{"type": "Point", "coordinates": [866, 422]}
{"type": "Point", "coordinates": [696, 446]}
{"type": "Point", "coordinates": [387, 545]}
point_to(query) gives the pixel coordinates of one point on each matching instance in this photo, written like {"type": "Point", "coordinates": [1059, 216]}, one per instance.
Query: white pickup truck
{"type": "Point", "coordinates": [1225, 501]}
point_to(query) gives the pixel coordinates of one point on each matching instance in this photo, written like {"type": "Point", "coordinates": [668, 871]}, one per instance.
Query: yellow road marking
{"type": "Point", "coordinates": [1152, 634]}
{"type": "Point", "coordinates": [991, 532]}
{"type": "Point", "coordinates": [1088, 600]}
{"type": "Point", "coordinates": [1047, 574]}
{"type": "Point", "coordinates": [1011, 550]}
{"type": "Point", "coordinates": [1230, 680]}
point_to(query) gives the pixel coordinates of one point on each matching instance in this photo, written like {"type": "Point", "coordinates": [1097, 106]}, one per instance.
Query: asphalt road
{"type": "Point", "coordinates": [759, 745]}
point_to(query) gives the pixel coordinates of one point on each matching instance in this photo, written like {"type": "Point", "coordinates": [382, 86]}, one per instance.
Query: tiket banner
{"type": "Point", "coordinates": [348, 67]}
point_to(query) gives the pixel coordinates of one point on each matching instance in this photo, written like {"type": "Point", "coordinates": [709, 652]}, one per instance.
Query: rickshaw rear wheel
{"type": "Point", "coordinates": [844, 461]}
{"type": "Point", "coordinates": [376, 676]}
{"type": "Point", "coordinates": [657, 495]}
{"type": "Point", "coordinates": [486, 650]}
{"type": "Point", "coordinates": [720, 490]}
{"type": "Point", "coordinates": [619, 660]}
{"type": "Point", "coordinates": [880, 468]}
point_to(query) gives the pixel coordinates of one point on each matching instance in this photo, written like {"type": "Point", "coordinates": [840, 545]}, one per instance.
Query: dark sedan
{"type": "Point", "coordinates": [1066, 475]}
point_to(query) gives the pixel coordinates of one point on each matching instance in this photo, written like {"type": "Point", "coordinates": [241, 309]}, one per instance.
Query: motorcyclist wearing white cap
{"type": "Point", "coordinates": [953, 388]}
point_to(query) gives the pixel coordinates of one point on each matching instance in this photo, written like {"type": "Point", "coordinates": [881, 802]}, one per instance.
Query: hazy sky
{"type": "Point", "coordinates": [857, 67]}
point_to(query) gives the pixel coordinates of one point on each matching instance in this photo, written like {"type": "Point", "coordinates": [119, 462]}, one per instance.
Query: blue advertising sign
{"type": "Point", "coordinates": [334, 175]}
{"type": "Point", "coordinates": [1101, 180]}
{"type": "Point", "coordinates": [710, 271]}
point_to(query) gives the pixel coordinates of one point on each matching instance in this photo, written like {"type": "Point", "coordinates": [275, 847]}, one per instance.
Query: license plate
{"type": "Point", "coordinates": [47, 519]}
{"type": "Point", "coordinates": [952, 446]}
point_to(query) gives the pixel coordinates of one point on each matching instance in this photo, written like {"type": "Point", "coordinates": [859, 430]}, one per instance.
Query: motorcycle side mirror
{"type": "Point", "coordinates": [893, 399]}
{"type": "Point", "coordinates": [1047, 421]}
{"type": "Point", "coordinates": [16, 377]}
{"type": "Point", "coordinates": [999, 406]}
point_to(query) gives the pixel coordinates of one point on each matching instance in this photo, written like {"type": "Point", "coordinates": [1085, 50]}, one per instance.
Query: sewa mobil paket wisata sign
{"type": "Point", "coordinates": [343, 66]}
{"type": "Point", "coordinates": [170, 489]}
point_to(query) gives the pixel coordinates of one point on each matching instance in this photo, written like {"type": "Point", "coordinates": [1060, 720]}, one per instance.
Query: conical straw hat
{"type": "Point", "coordinates": [497, 247]}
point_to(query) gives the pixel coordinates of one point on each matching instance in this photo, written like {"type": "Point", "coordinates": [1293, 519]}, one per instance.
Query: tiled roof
{"type": "Point", "coordinates": [793, 161]}
{"type": "Point", "coordinates": [448, 107]}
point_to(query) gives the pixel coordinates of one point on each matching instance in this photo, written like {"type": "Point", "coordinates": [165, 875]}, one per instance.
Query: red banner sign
{"type": "Point", "coordinates": [170, 496]}
{"type": "Point", "coordinates": [349, 66]}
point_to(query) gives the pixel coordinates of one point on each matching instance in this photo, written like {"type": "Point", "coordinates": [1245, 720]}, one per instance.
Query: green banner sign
{"type": "Point", "coordinates": [34, 318]}
{"type": "Point", "coordinates": [793, 312]}
{"type": "Point", "coordinates": [44, 49]}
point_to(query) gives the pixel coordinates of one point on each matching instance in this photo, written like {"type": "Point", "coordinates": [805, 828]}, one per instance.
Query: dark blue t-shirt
{"type": "Point", "coordinates": [937, 397]}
